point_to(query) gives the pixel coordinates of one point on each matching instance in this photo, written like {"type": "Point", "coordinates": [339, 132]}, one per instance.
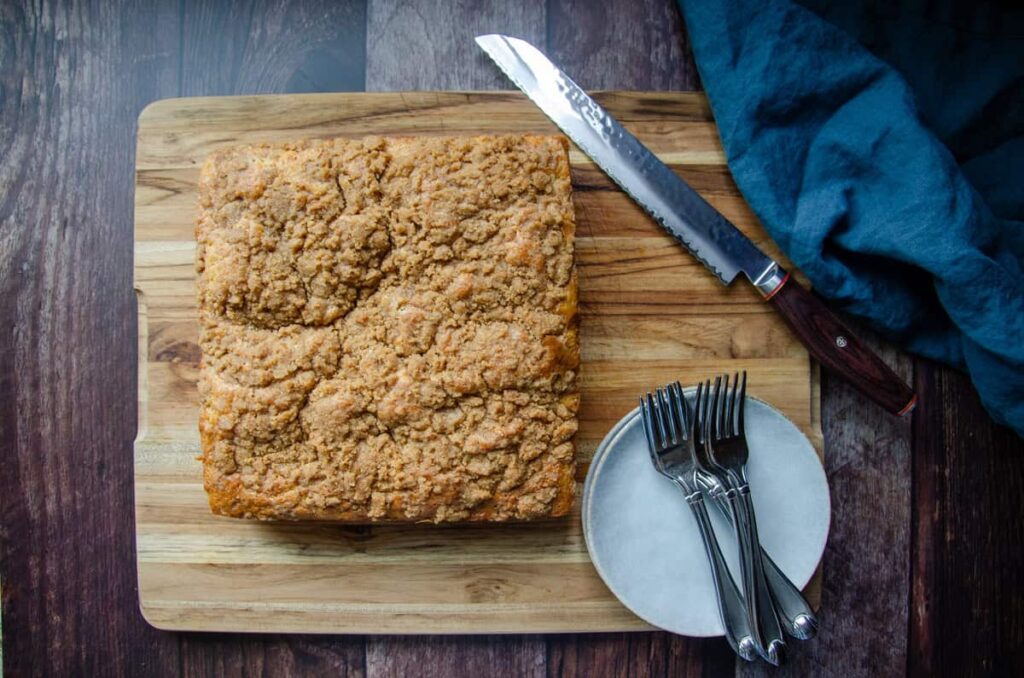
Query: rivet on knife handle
{"type": "Point", "coordinates": [835, 347]}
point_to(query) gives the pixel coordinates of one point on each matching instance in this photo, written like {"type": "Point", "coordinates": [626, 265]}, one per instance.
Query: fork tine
{"type": "Point", "coordinates": [661, 435]}
{"type": "Point", "coordinates": [742, 404]}
{"type": "Point", "coordinates": [668, 416]}
{"type": "Point", "coordinates": [697, 416]}
{"type": "Point", "coordinates": [726, 425]}
{"type": "Point", "coordinates": [737, 403]}
{"type": "Point", "coordinates": [659, 418]}
{"type": "Point", "coordinates": [656, 429]}
{"type": "Point", "coordinates": [645, 415]}
{"type": "Point", "coordinates": [729, 406]}
{"type": "Point", "coordinates": [726, 412]}
{"type": "Point", "coordinates": [682, 411]}
{"type": "Point", "coordinates": [705, 415]}
{"type": "Point", "coordinates": [715, 414]}
{"type": "Point", "coordinates": [676, 402]}
{"type": "Point", "coordinates": [689, 414]}
{"type": "Point", "coordinates": [652, 448]}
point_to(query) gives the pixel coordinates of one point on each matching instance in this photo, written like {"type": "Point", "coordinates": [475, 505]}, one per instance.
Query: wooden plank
{"type": "Point", "coordinates": [396, 619]}
{"type": "Point", "coordinates": [167, 143]}
{"type": "Point", "coordinates": [263, 46]}
{"type": "Point", "coordinates": [426, 45]}
{"type": "Point", "coordinates": [966, 608]}
{"type": "Point", "coordinates": [244, 655]}
{"type": "Point", "coordinates": [417, 582]}
{"type": "Point", "coordinates": [654, 654]}
{"type": "Point", "coordinates": [621, 45]}
{"type": "Point", "coordinates": [73, 79]}
{"type": "Point", "coordinates": [443, 657]}
{"type": "Point", "coordinates": [202, 540]}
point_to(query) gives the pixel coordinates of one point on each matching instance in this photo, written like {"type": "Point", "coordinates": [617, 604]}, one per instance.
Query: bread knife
{"type": "Point", "coordinates": [698, 226]}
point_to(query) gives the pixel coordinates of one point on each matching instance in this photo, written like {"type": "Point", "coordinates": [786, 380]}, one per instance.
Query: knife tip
{"type": "Point", "coordinates": [491, 39]}
{"type": "Point", "coordinates": [487, 37]}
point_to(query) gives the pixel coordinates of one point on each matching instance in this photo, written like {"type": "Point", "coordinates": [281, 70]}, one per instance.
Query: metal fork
{"type": "Point", "coordinates": [668, 425]}
{"type": "Point", "coordinates": [794, 609]}
{"type": "Point", "coordinates": [725, 441]}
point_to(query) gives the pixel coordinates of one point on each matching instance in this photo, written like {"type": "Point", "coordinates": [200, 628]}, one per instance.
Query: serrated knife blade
{"type": "Point", "coordinates": [680, 210]}
{"type": "Point", "coordinates": [698, 226]}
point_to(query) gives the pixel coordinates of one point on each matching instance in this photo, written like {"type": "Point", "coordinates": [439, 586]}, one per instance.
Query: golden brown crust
{"type": "Point", "coordinates": [389, 329]}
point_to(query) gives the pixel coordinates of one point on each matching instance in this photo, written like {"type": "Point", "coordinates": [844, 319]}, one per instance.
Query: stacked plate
{"type": "Point", "coordinates": [645, 543]}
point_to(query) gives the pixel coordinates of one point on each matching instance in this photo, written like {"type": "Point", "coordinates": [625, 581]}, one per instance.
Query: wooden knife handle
{"type": "Point", "coordinates": [837, 349]}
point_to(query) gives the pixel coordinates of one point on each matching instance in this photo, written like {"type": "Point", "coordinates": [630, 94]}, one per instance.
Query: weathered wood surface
{"type": "Point", "coordinates": [866, 570]}
{"type": "Point", "coordinates": [925, 530]}
{"type": "Point", "coordinates": [640, 296]}
{"type": "Point", "coordinates": [966, 600]}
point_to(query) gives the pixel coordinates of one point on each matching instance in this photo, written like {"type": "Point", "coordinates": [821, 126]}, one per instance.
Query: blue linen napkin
{"type": "Point", "coordinates": [882, 146]}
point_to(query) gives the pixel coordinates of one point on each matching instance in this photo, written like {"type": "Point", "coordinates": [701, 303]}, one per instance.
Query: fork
{"type": "Point", "coordinates": [800, 621]}
{"type": "Point", "coordinates": [724, 439]}
{"type": "Point", "coordinates": [668, 424]}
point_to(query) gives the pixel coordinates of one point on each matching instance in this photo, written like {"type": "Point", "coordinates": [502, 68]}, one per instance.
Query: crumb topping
{"type": "Point", "coordinates": [389, 329]}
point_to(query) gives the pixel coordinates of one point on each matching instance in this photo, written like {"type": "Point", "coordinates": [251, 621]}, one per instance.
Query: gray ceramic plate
{"type": "Point", "coordinates": [644, 541]}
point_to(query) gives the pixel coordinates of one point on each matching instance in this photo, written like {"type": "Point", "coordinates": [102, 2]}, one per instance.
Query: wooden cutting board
{"type": "Point", "coordinates": [649, 313]}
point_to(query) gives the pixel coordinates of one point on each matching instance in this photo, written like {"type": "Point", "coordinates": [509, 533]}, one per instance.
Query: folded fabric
{"type": "Point", "coordinates": [882, 146]}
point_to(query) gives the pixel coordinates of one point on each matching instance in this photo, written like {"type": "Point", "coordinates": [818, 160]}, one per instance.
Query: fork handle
{"type": "Point", "coordinates": [792, 606]}
{"type": "Point", "coordinates": [765, 627]}
{"type": "Point", "coordinates": [837, 349]}
{"type": "Point", "coordinates": [760, 606]}
{"type": "Point", "coordinates": [731, 607]}
{"type": "Point", "coordinates": [800, 621]}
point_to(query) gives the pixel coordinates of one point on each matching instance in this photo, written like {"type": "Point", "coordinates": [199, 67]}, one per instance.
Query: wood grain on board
{"type": "Point", "coordinates": [649, 313]}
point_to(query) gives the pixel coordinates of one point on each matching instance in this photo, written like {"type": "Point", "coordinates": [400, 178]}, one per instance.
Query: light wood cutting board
{"type": "Point", "coordinates": [649, 313]}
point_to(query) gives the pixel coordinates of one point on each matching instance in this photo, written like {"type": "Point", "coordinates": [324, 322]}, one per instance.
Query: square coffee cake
{"type": "Point", "coordinates": [388, 329]}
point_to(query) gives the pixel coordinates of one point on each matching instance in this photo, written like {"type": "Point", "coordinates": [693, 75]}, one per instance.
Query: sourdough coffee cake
{"type": "Point", "coordinates": [388, 329]}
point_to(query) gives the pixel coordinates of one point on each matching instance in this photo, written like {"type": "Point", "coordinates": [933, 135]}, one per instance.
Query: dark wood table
{"type": "Point", "coordinates": [923, 569]}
